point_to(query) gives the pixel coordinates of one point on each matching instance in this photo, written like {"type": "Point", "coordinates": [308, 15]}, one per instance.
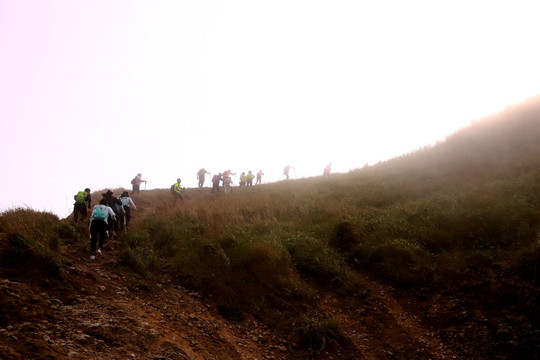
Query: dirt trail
{"type": "Point", "coordinates": [106, 318]}
{"type": "Point", "coordinates": [177, 322]}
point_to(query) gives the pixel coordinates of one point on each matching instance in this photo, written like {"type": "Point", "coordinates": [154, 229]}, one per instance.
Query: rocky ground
{"type": "Point", "coordinates": [104, 316]}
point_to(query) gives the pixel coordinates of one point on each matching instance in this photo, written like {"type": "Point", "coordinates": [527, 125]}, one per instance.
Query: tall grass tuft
{"type": "Point", "coordinates": [32, 245]}
{"type": "Point", "coordinates": [315, 331]}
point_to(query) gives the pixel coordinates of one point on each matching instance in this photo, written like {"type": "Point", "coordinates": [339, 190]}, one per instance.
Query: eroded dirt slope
{"type": "Point", "coordinates": [102, 315]}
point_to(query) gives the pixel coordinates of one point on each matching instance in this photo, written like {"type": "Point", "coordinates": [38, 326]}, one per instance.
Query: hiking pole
{"type": "Point", "coordinates": [145, 185]}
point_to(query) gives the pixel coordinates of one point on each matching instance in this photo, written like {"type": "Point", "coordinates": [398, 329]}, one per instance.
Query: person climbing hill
{"type": "Point", "coordinates": [243, 179]}
{"type": "Point", "coordinates": [227, 185]}
{"type": "Point", "coordinates": [286, 171]}
{"type": "Point", "coordinates": [128, 204]}
{"type": "Point", "coordinates": [136, 182]}
{"type": "Point", "coordinates": [327, 169]}
{"type": "Point", "coordinates": [82, 200]}
{"type": "Point", "coordinates": [201, 176]}
{"type": "Point", "coordinates": [228, 173]}
{"type": "Point", "coordinates": [259, 177]}
{"type": "Point", "coordinates": [178, 191]}
{"type": "Point", "coordinates": [116, 205]}
{"type": "Point", "coordinates": [99, 221]}
{"type": "Point", "coordinates": [215, 182]}
{"type": "Point", "coordinates": [250, 178]}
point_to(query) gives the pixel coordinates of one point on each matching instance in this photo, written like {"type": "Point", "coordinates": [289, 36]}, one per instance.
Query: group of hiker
{"type": "Point", "coordinates": [226, 180]}
{"type": "Point", "coordinates": [106, 216]}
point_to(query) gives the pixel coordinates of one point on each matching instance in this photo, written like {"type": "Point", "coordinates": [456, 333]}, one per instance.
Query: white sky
{"type": "Point", "coordinates": [92, 92]}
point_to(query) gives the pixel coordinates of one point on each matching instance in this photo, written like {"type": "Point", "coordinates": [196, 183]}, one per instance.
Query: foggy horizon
{"type": "Point", "coordinates": [94, 93]}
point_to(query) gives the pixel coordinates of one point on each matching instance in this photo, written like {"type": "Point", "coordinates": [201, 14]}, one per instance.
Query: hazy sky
{"type": "Point", "coordinates": [92, 92]}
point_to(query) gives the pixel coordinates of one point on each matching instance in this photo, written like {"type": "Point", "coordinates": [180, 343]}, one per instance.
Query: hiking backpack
{"type": "Point", "coordinates": [172, 189]}
{"type": "Point", "coordinates": [99, 213]}
{"type": "Point", "coordinates": [134, 181]}
{"type": "Point", "coordinates": [119, 209]}
{"type": "Point", "coordinates": [81, 197]}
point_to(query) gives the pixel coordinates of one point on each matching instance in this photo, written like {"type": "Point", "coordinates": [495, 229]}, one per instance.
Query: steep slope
{"type": "Point", "coordinates": [433, 255]}
{"type": "Point", "coordinates": [101, 314]}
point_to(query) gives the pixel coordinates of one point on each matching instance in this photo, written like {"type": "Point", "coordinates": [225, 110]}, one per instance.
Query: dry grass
{"type": "Point", "coordinates": [469, 204]}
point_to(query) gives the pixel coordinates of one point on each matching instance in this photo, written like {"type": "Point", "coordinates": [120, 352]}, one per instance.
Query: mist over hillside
{"type": "Point", "coordinates": [505, 141]}
{"type": "Point", "coordinates": [431, 255]}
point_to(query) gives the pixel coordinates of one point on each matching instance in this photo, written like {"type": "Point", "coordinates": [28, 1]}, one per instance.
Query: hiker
{"type": "Point", "coordinates": [98, 226]}
{"type": "Point", "coordinates": [286, 171]}
{"type": "Point", "coordinates": [128, 204]}
{"type": "Point", "coordinates": [250, 177]}
{"type": "Point", "coordinates": [201, 176]}
{"type": "Point", "coordinates": [116, 206]}
{"type": "Point", "coordinates": [82, 199]}
{"type": "Point", "coordinates": [327, 169]}
{"type": "Point", "coordinates": [136, 182]}
{"type": "Point", "coordinates": [215, 182]}
{"type": "Point", "coordinates": [227, 173]}
{"type": "Point", "coordinates": [259, 177]}
{"type": "Point", "coordinates": [227, 185]}
{"type": "Point", "coordinates": [177, 191]}
{"type": "Point", "coordinates": [243, 179]}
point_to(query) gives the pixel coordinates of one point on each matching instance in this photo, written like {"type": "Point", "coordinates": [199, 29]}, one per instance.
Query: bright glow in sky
{"type": "Point", "coordinates": [93, 92]}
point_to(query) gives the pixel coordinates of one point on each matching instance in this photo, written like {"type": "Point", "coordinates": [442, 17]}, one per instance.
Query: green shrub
{"type": "Point", "coordinates": [139, 260]}
{"type": "Point", "coordinates": [237, 272]}
{"type": "Point", "coordinates": [54, 243]}
{"type": "Point", "coordinates": [398, 260]}
{"type": "Point", "coordinates": [345, 238]}
{"type": "Point", "coordinates": [137, 253]}
{"type": "Point", "coordinates": [314, 331]}
{"type": "Point", "coordinates": [18, 250]}
{"type": "Point", "coordinates": [66, 230]}
{"type": "Point", "coordinates": [30, 259]}
{"type": "Point", "coordinates": [316, 260]}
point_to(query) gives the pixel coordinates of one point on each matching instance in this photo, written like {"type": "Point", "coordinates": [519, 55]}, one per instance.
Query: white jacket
{"type": "Point", "coordinates": [108, 211]}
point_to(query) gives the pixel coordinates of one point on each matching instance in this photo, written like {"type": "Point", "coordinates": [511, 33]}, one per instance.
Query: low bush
{"type": "Point", "coordinates": [138, 254]}
{"type": "Point", "coordinates": [317, 261]}
{"type": "Point", "coordinates": [314, 331]}
{"type": "Point", "coordinates": [25, 258]}
{"type": "Point", "coordinates": [235, 271]}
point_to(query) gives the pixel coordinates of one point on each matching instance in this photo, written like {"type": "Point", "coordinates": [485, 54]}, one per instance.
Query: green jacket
{"type": "Point", "coordinates": [177, 188]}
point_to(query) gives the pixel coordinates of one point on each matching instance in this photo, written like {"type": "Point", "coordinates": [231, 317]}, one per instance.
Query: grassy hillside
{"type": "Point", "coordinates": [457, 224]}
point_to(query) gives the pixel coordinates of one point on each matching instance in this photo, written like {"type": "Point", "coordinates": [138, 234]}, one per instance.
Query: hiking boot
{"type": "Point", "coordinates": [99, 251]}
{"type": "Point", "coordinates": [92, 257]}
